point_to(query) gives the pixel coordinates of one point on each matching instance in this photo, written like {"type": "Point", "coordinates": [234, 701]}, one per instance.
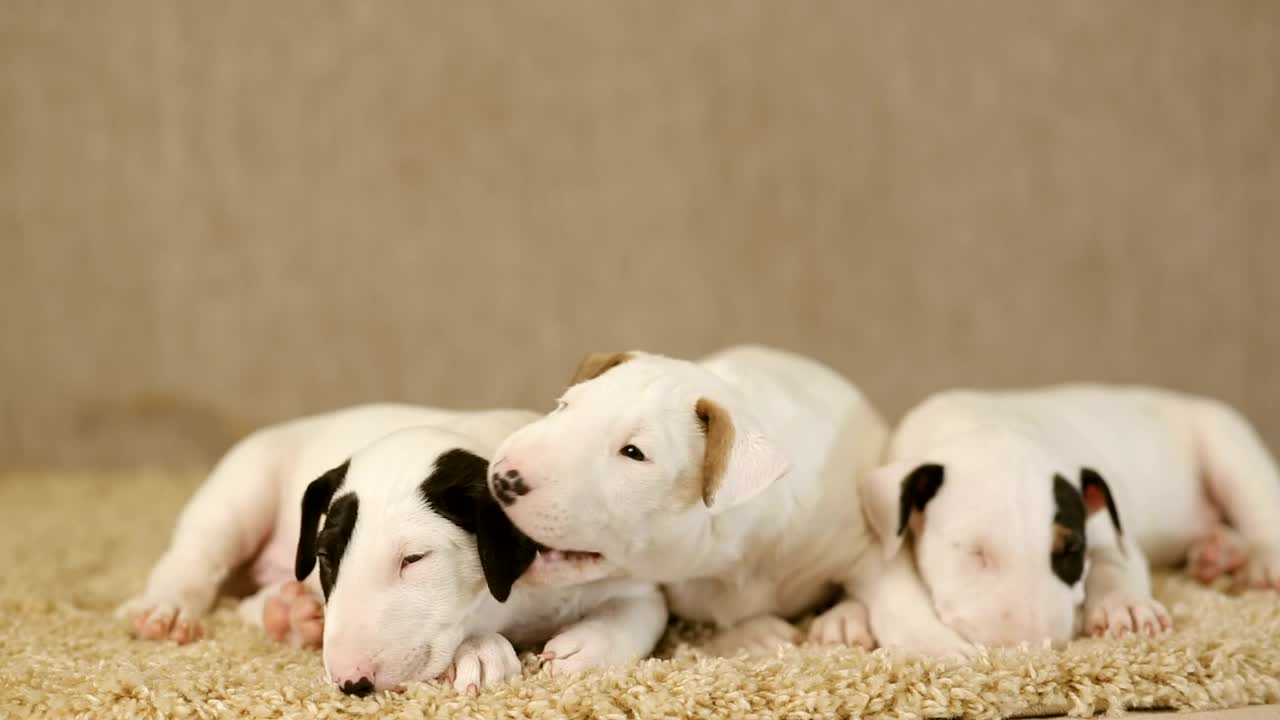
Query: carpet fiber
{"type": "Point", "coordinates": [78, 544]}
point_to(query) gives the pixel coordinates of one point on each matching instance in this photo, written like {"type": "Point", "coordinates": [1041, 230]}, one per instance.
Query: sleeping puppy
{"type": "Point", "coordinates": [411, 536]}
{"type": "Point", "coordinates": [731, 480]}
{"type": "Point", "coordinates": [410, 539]}
{"type": "Point", "coordinates": [1055, 498]}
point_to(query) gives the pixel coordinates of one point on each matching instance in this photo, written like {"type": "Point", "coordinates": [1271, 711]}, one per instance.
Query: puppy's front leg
{"type": "Point", "coordinates": [900, 610]}
{"type": "Point", "coordinates": [482, 662]}
{"type": "Point", "coordinates": [620, 630]}
{"type": "Point", "coordinates": [1118, 597]}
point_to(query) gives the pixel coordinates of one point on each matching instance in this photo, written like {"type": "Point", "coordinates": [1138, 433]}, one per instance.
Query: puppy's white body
{"type": "Point", "coordinates": [784, 552]}
{"type": "Point", "coordinates": [742, 525]}
{"type": "Point", "coordinates": [248, 515]}
{"type": "Point", "coordinates": [1176, 465]}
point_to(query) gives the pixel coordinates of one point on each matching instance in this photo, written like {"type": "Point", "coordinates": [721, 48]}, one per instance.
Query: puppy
{"type": "Point", "coordinates": [410, 538]}
{"type": "Point", "coordinates": [731, 480]}
{"type": "Point", "coordinates": [1050, 499]}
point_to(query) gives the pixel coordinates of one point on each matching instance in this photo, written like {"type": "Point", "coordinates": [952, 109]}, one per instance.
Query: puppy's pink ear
{"type": "Point", "coordinates": [891, 493]}
{"type": "Point", "coordinates": [739, 462]}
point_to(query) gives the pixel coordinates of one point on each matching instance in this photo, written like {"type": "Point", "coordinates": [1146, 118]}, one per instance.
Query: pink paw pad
{"type": "Point", "coordinates": [295, 616]}
{"type": "Point", "coordinates": [1218, 553]}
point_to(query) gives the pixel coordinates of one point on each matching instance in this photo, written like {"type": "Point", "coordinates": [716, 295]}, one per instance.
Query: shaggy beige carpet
{"type": "Point", "coordinates": [77, 544]}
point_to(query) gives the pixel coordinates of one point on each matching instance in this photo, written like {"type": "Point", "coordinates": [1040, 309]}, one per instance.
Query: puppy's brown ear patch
{"type": "Point", "coordinates": [717, 426]}
{"type": "Point", "coordinates": [596, 364]}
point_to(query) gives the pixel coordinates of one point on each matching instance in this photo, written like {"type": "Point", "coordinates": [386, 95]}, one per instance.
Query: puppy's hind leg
{"type": "Point", "coordinates": [759, 635]}
{"type": "Point", "coordinates": [289, 611]}
{"type": "Point", "coordinates": [220, 528]}
{"type": "Point", "coordinates": [1243, 479]}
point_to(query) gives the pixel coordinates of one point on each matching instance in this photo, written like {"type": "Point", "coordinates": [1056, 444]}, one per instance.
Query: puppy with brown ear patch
{"type": "Point", "coordinates": [732, 480]}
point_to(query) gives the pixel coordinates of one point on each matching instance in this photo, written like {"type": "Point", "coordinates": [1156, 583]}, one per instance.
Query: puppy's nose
{"type": "Point", "coordinates": [359, 688]}
{"type": "Point", "coordinates": [507, 482]}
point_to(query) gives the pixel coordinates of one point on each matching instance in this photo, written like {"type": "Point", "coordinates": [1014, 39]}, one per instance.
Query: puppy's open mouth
{"type": "Point", "coordinates": [567, 567]}
{"type": "Point", "coordinates": [576, 557]}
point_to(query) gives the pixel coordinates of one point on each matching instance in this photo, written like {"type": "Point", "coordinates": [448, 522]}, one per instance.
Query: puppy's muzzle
{"type": "Point", "coordinates": [507, 484]}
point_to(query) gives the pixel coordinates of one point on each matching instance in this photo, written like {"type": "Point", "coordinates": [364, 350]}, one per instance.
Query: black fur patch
{"type": "Point", "coordinates": [315, 502]}
{"type": "Point", "coordinates": [332, 541]}
{"type": "Point", "coordinates": [1067, 556]}
{"type": "Point", "coordinates": [918, 489]}
{"type": "Point", "coordinates": [458, 491]}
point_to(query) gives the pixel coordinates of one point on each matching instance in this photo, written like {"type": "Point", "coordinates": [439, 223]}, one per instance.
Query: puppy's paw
{"type": "Point", "coordinates": [482, 662]}
{"type": "Point", "coordinates": [938, 641]}
{"type": "Point", "coordinates": [294, 615]}
{"type": "Point", "coordinates": [577, 648]}
{"type": "Point", "coordinates": [1260, 570]}
{"type": "Point", "coordinates": [163, 616]}
{"type": "Point", "coordinates": [1118, 615]}
{"type": "Point", "coordinates": [844, 624]}
{"type": "Point", "coordinates": [761, 635]}
{"type": "Point", "coordinates": [1222, 551]}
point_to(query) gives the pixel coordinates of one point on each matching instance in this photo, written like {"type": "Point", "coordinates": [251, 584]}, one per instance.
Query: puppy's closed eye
{"type": "Point", "coordinates": [408, 560]}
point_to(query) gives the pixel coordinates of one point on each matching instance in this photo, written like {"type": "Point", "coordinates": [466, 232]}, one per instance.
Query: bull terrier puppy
{"type": "Point", "coordinates": [732, 481]}
{"type": "Point", "coordinates": [1025, 505]}
{"type": "Point", "coordinates": [416, 563]}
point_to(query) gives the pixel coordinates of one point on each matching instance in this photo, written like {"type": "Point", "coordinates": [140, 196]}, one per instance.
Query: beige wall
{"type": "Point", "coordinates": [243, 211]}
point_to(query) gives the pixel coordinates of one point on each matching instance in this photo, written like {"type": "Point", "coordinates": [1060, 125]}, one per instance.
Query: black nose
{"type": "Point", "coordinates": [360, 688]}
{"type": "Point", "coordinates": [508, 487]}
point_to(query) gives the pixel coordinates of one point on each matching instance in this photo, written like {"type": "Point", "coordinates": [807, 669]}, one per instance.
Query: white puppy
{"type": "Point", "coordinates": [1023, 505]}
{"type": "Point", "coordinates": [732, 480]}
{"type": "Point", "coordinates": [410, 538]}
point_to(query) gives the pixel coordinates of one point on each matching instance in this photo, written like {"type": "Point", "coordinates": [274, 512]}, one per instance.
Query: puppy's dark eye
{"type": "Point", "coordinates": [632, 452]}
{"type": "Point", "coordinates": [981, 557]}
{"type": "Point", "coordinates": [408, 560]}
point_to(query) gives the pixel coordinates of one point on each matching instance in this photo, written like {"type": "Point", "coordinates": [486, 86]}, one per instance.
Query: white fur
{"type": "Point", "coordinates": [393, 624]}
{"type": "Point", "coordinates": [1172, 462]}
{"type": "Point", "coordinates": [776, 538]}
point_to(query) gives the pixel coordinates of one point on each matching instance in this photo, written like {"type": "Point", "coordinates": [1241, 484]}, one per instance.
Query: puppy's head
{"type": "Point", "coordinates": [999, 535]}
{"type": "Point", "coordinates": [410, 540]}
{"type": "Point", "coordinates": [639, 453]}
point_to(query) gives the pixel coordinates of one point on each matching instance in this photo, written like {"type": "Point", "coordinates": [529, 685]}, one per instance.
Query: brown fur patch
{"type": "Point", "coordinates": [1061, 534]}
{"type": "Point", "coordinates": [596, 363]}
{"type": "Point", "coordinates": [718, 427]}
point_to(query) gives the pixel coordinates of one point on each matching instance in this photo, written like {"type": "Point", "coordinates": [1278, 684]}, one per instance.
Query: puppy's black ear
{"type": "Point", "coordinates": [315, 501]}
{"type": "Point", "coordinates": [918, 488]}
{"type": "Point", "coordinates": [458, 490]}
{"type": "Point", "coordinates": [1097, 496]}
{"type": "Point", "coordinates": [505, 552]}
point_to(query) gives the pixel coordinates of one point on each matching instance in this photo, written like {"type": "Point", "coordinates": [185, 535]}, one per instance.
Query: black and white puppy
{"type": "Point", "coordinates": [416, 564]}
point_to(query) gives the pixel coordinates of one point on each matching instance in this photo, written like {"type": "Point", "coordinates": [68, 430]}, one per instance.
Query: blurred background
{"type": "Point", "coordinates": [217, 215]}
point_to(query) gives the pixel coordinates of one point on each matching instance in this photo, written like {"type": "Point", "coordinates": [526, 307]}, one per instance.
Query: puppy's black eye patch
{"type": "Point", "coordinates": [1067, 554]}
{"type": "Point", "coordinates": [332, 541]}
